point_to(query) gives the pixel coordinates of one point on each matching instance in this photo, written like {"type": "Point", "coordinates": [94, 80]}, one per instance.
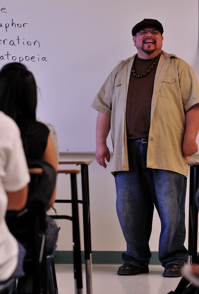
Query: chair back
{"type": "Point", "coordinates": [42, 185]}
{"type": "Point", "coordinates": [29, 224]}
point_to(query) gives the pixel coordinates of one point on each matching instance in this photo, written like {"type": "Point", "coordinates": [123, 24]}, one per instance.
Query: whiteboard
{"type": "Point", "coordinates": [71, 46]}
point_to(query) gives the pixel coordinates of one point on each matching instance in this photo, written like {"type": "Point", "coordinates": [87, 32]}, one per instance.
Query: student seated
{"type": "Point", "coordinates": [18, 99]}
{"type": "Point", "coordinates": [14, 177]}
{"type": "Point", "coordinates": [53, 135]}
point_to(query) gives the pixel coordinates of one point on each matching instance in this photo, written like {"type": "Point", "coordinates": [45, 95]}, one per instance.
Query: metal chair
{"type": "Point", "coordinates": [29, 225]}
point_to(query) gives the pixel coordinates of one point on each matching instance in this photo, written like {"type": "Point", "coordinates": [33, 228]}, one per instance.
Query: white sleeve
{"type": "Point", "coordinates": [17, 174]}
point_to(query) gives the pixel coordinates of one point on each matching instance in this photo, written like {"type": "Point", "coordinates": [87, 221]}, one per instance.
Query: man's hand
{"type": "Point", "coordinates": [102, 154]}
{"type": "Point", "coordinates": [189, 148]}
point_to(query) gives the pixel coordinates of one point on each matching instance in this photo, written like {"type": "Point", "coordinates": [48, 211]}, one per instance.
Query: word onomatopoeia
{"type": "Point", "coordinates": [10, 57]}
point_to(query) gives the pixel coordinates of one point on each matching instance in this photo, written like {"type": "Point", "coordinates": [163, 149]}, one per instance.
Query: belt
{"type": "Point", "coordinates": [141, 140]}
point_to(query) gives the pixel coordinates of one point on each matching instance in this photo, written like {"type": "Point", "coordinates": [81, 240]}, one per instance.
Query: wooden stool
{"type": "Point", "coordinates": [193, 210]}
{"type": "Point", "coordinates": [86, 217]}
{"type": "Point", "coordinates": [77, 263]}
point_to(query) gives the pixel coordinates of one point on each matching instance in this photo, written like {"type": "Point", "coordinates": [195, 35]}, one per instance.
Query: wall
{"type": "Point", "coordinates": [71, 47]}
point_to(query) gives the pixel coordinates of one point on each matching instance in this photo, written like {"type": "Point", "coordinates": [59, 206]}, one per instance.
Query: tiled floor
{"type": "Point", "coordinates": [106, 281]}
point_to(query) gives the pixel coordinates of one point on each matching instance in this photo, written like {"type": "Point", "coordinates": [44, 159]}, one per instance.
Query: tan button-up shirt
{"type": "Point", "coordinates": [176, 89]}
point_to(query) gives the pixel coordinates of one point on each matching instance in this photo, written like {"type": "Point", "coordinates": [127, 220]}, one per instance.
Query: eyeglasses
{"type": "Point", "coordinates": [152, 32]}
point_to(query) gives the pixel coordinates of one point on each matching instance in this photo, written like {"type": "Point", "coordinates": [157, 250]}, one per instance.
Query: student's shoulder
{"type": "Point", "coordinates": [41, 127]}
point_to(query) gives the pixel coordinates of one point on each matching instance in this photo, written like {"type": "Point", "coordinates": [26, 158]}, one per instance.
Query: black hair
{"type": "Point", "coordinates": [18, 98]}
{"type": "Point", "coordinates": [18, 92]}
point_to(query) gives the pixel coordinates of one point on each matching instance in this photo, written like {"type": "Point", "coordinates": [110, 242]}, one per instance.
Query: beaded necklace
{"type": "Point", "coordinates": [139, 76]}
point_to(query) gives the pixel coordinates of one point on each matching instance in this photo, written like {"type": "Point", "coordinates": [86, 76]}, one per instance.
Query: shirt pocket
{"type": "Point", "coordinates": [118, 90]}
{"type": "Point", "coordinates": [168, 86]}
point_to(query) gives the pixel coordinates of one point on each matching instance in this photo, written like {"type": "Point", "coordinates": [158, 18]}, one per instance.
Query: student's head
{"type": "Point", "coordinates": [18, 92]}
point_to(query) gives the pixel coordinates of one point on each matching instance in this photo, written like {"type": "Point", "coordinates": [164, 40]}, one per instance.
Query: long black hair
{"type": "Point", "coordinates": [18, 98]}
{"type": "Point", "coordinates": [18, 92]}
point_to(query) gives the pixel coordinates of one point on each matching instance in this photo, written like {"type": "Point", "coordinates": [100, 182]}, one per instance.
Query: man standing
{"type": "Point", "coordinates": [151, 102]}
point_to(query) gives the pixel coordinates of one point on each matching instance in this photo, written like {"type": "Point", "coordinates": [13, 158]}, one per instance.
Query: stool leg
{"type": "Point", "coordinates": [76, 236]}
{"type": "Point", "coordinates": [52, 280]}
{"type": "Point", "coordinates": [54, 276]}
{"type": "Point", "coordinates": [193, 214]}
{"type": "Point", "coordinates": [87, 228]}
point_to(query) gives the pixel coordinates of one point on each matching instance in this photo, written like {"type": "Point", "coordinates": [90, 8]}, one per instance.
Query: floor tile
{"type": "Point", "coordinates": [106, 281]}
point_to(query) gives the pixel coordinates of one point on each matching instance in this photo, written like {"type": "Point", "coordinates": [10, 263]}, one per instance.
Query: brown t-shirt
{"type": "Point", "coordinates": [139, 100]}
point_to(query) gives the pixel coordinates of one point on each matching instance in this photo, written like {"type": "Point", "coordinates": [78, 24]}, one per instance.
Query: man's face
{"type": "Point", "coordinates": [148, 42]}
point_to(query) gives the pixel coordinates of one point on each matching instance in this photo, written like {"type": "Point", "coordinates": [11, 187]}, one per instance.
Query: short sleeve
{"type": "Point", "coordinates": [17, 175]}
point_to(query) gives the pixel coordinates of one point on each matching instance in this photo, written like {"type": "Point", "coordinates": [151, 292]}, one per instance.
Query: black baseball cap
{"type": "Point", "coordinates": [147, 22]}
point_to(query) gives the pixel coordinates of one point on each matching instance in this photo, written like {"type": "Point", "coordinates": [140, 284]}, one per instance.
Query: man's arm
{"type": "Point", "coordinates": [190, 146]}
{"type": "Point", "coordinates": [102, 130]}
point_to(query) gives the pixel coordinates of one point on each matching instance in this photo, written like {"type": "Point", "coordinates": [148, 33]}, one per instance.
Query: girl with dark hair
{"type": "Point", "coordinates": [18, 99]}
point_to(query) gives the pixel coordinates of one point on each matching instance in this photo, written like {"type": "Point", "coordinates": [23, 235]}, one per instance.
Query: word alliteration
{"type": "Point", "coordinates": [19, 41]}
{"type": "Point", "coordinates": [10, 57]}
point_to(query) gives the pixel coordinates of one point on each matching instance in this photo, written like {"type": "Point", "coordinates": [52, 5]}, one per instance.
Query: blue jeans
{"type": "Point", "coordinates": [138, 190]}
{"type": "Point", "coordinates": [52, 231]}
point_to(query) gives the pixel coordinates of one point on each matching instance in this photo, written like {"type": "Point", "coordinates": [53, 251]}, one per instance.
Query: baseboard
{"type": "Point", "coordinates": [98, 257]}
